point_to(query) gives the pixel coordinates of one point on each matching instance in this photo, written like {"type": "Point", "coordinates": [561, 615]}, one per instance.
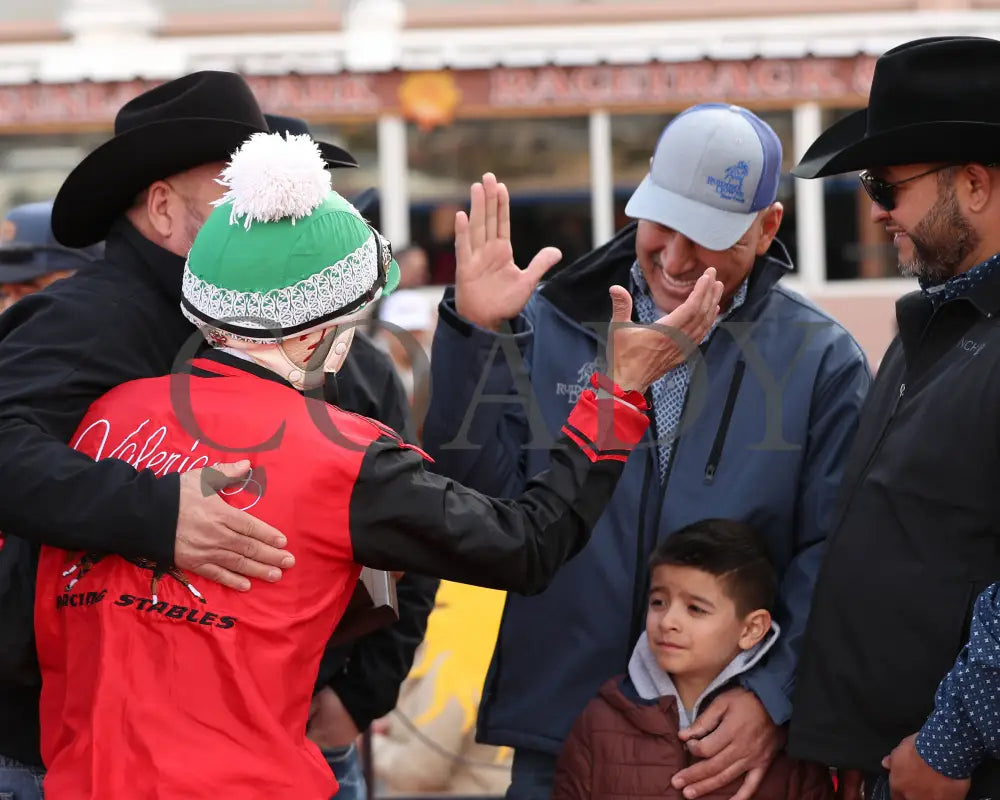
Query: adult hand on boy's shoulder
{"type": "Point", "coordinates": [735, 736]}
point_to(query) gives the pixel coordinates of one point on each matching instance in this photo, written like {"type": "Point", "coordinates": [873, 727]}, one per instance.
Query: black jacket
{"type": "Point", "coordinates": [60, 350]}
{"type": "Point", "coordinates": [367, 673]}
{"type": "Point", "coordinates": [917, 536]}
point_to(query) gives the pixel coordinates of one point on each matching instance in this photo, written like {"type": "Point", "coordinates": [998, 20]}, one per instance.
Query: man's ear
{"type": "Point", "coordinates": [756, 624]}
{"type": "Point", "coordinates": [977, 183]}
{"type": "Point", "coordinates": [154, 205]}
{"type": "Point", "coordinates": [770, 221]}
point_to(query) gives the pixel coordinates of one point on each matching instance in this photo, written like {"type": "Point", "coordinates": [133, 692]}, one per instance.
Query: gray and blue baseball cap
{"type": "Point", "coordinates": [28, 248]}
{"type": "Point", "coordinates": [714, 167]}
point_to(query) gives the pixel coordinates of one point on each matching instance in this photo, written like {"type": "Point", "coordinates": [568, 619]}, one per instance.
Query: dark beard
{"type": "Point", "coordinates": [942, 241]}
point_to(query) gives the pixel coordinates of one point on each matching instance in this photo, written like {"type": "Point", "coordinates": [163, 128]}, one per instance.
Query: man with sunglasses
{"type": "Point", "coordinates": [30, 256]}
{"type": "Point", "coordinates": [899, 680]}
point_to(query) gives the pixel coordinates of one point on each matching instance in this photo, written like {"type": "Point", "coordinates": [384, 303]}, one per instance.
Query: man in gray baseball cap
{"type": "Point", "coordinates": [30, 256]}
{"type": "Point", "coordinates": [776, 388]}
{"type": "Point", "coordinates": [711, 190]}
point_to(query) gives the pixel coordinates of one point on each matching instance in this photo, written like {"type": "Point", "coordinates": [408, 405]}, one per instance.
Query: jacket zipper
{"type": "Point", "coordinates": [638, 582]}
{"type": "Point", "coordinates": [885, 432]}
{"type": "Point", "coordinates": [641, 572]}
{"type": "Point", "coordinates": [871, 457]}
{"type": "Point", "coordinates": [727, 413]}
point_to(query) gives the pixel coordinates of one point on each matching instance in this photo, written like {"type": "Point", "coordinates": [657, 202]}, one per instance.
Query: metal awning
{"type": "Point", "coordinates": [121, 56]}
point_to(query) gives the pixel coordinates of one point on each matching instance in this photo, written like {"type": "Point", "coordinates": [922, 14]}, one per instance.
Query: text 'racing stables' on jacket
{"type": "Point", "coordinates": [773, 407]}
{"type": "Point", "coordinates": [174, 662]}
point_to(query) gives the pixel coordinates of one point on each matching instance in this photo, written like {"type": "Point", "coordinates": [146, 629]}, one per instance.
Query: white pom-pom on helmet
{"type": "Point", "coordinates": [273, 177]}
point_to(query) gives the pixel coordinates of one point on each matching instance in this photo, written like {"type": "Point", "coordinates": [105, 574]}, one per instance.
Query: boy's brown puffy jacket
{"type": "Point", "coordinates": [621, 749]}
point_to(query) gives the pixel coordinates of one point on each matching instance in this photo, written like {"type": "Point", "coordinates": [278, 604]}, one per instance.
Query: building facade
{"type": "Point", "coordinates": [563, 99]}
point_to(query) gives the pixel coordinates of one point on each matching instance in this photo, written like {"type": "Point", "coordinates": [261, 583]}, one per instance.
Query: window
{"type": "Point", "coordinates": [855, 247]}
{"type": "Point", "coordinates": [544, 162]}
{"type": "Point", "coordinates": [633, 139]}
{"type": "Point", "coordinates": [32, 168]}
{"type": "Point", "coordinates": [361, 141]}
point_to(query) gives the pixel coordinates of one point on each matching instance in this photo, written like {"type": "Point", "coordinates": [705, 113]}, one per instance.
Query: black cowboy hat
{"type": "Point", "coordinates": [179, 125]}
{"type": "Point", "coordinates": [333, 155]}
{"type": "Point", "coordinates": [931, 100]}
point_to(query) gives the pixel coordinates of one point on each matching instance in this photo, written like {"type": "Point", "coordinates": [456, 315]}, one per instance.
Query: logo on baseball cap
{"type": "Point", "coordinates": [714, 167]}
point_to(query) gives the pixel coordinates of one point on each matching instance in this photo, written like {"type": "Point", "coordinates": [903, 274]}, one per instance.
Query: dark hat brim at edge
{"type": "Point", "coordinates": [336, 156]}
{"type": "Point", "coordinates": [830, 144]}
{"type": "Point", "coordinates": [106, 182]}
{"type": "Point", "coordinates": [844, 147]}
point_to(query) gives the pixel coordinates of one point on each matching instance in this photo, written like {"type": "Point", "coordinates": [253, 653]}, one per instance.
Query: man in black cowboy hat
{"type": "Point", "coordinates": [360, 681]}
{"type": "Point", "coordinates": [899, 679]}
{"type": "Point", "coordinates": [146, 192]}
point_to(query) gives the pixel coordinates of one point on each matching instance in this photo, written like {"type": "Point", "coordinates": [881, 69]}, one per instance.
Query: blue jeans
{"type": "Point", "coordinates": [531, 776]}
{"type": "Point", "coordinates": [346, 768]}
{"type": "Point", "coordinates": [877, 786]}
{"type": "Point", "coordinates": [19, 781]}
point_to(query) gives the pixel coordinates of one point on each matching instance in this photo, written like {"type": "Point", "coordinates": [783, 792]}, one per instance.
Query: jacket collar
{"type": "Point", "coordinates": [580, 290]}
{"type": "Point", "coordinates": [915, 311]}
{"type": "Point", "coordinates": [656, 718]}
{"type": "Point", "coordinates": [160, 268]}
{"type": "Point", "coordinates": [985, 296]}
{"type": "Point", "coordinates": [979, 286]}
{"type": "Point", "coordinates": [211, 362]}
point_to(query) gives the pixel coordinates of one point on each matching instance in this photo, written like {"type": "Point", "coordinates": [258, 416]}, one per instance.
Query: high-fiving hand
{"type": "Point", "coordinates": [639, 355]}
{"type": "Point", "coordinates": [489, 286]}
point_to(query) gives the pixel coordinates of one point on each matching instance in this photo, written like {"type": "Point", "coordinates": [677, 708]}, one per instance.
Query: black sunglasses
{"type": "Point", "coordinates": [884, 193]}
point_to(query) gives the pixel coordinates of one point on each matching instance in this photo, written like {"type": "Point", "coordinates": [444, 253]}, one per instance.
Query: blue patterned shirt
{"type": "Point", "coordinates": [964, 727]}
{"type": "Point", "coordinates": [960, 284]}
{"type": "Point", "coordinates": [670, 391]}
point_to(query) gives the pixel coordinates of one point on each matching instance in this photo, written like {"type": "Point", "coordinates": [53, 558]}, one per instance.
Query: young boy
{"type": "Point", "coordinates": [711, 591]}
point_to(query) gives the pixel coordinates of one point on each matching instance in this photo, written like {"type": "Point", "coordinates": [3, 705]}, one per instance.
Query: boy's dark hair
{"type": "Point", "coordinates": [731, 551]}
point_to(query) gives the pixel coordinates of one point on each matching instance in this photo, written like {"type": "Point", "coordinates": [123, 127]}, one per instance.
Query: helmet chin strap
{"type": "Point", "coordinates": [343, 336]}
{"type": "Point", "coordinates": [328, 356]}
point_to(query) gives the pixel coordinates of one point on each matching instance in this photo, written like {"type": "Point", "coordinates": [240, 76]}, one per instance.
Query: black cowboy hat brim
{"type": "Point", "coordinates": [336, 156]}
{"type": "Point", "coordinates": [333, 156]}
{"type": "Point", "coordinates": [844, 147]}
{"type": "Point", "coordinates": [105, 183]}
{"type": "Point", "coordinates": [831, 143]}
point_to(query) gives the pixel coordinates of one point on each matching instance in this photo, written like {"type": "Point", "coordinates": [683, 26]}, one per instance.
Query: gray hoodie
{"type": "Point", "coordinates": [651, 682]}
